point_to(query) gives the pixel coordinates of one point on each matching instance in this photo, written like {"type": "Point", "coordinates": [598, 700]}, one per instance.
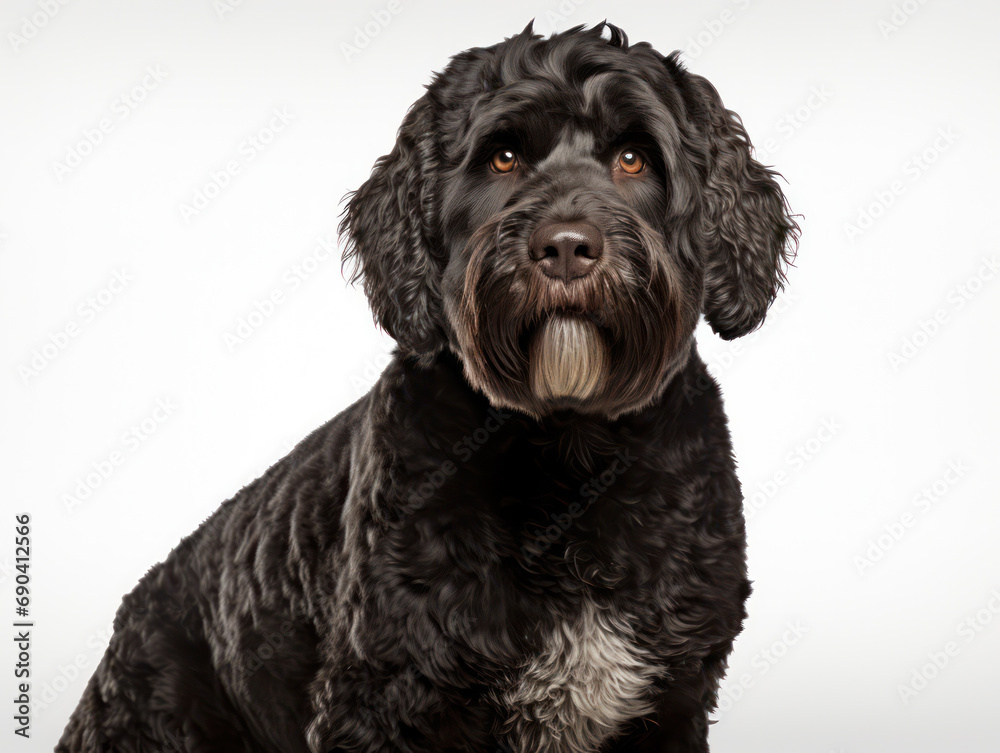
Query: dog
{"type": "Point", "coordinates": [528, 536]}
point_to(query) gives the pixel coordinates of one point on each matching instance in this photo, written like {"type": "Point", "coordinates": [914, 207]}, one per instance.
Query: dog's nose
{"type": "Point", "coordinates": [566, 250]}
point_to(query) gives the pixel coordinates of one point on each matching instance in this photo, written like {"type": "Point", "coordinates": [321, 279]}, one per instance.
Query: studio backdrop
{"type": "Point", "coordinates": [174, 318]}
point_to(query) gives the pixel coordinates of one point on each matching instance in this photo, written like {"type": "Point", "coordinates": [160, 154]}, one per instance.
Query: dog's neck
{"type": "Point", "coordinates": [434, 449]}
{"type": "Point", "coordinates": [435, 402]}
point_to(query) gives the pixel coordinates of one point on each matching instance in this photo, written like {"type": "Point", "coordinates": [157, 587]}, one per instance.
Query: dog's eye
{"type": "Point", "coordinates": [631, 161]}
{"type": "Point", "coordinates": [503, 161]}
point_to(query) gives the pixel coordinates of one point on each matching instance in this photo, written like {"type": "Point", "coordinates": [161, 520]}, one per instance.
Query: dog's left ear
{"type": "Point", "coordinates": [745, 228]}
{"type": "Point", "coordinates": [388, 222]}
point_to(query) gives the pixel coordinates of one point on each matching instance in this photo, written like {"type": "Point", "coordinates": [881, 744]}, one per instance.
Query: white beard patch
{"type": "Point", "coordinates": [569, 358]}
{"type": "Point", "coordinates": [588, 680]}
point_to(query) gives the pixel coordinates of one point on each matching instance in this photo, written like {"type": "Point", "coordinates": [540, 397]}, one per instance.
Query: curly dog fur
{"type": "Point", "coordinates": [528, 536]}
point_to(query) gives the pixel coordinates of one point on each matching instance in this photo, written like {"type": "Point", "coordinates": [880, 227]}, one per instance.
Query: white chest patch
{"type": "Point", "coordinates": [589, 678]}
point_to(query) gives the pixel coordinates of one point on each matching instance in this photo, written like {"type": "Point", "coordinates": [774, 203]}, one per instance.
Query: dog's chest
{"type": "Point", "coordinates": [588, 677]}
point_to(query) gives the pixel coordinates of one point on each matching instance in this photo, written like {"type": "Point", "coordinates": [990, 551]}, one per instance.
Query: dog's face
{"type": "Point", "coordinates": [559, 213]}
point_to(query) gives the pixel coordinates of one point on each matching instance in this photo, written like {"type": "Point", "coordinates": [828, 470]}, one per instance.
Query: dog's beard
{"type": "Point", "coordinates": [568, 359]}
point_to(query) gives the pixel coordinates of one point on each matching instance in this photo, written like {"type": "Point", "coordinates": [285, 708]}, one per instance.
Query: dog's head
{"type": "Point", "coordinates": [559, 212]}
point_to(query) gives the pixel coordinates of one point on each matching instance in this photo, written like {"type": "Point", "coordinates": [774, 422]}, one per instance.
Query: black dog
{"type": "Point", "coordinates": [528, 536]}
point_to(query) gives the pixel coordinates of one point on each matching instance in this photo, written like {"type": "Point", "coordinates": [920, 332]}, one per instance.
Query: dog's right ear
{"type": "Point", "coordinates": [388, 222]}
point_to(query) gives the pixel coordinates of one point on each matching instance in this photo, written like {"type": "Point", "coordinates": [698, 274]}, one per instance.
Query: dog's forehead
{"type": "Point", "coordinates": [532, 86]}
{"type": "Point", "coordinates": [586, 113]}
{"type": "Point", "coordinates": [572, 141]}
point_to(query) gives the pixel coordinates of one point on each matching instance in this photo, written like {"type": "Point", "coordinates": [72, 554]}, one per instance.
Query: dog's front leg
{"type": "Point", "coordinates": [394, 709]}
{"type": "Point", "coordinates": [353, 712]}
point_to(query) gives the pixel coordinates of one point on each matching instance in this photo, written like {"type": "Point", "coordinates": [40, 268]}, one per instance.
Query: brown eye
{"type": "Point", "coordinates": [503, 161]}
{"type": "Point", "coordinates": [631, 161]}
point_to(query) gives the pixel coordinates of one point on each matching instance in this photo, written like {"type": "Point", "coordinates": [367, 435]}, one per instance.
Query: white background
{"type": "Point", "coordinates": [821, 497]}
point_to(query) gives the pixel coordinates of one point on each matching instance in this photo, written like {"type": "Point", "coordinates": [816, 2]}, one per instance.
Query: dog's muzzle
{"type": "Point", "coordinates": [568, 355]}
